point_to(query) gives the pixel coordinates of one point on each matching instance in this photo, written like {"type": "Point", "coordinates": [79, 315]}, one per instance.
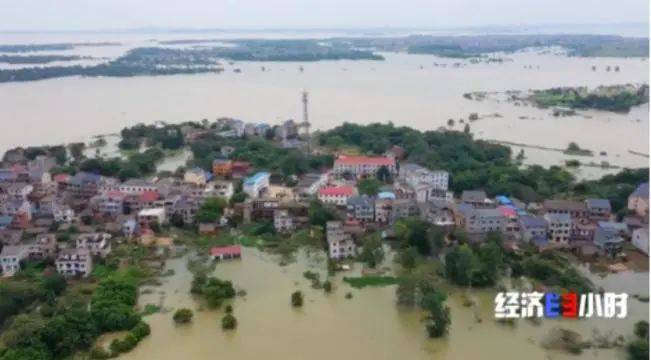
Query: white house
{"type": "Point", "coordinates": [283, 222]}
{"type": "Point", "coordinates": [147, 217]}
{"type": "Point", "coordinates": [256, 183]}
{"type": "Point", "coordinates": [640, 239]}
{"type": "Point", "coordinates": [98, 244]}
{"type": "Point", "coordinates": [363, 165]}
{"type": "Point", "coordinates": [74, 262]}
{"type": "Point", "coordinates": [340, 244]}
{"type": "Point", "coordinates": [10, 258]}
{"type": "Point", "coordinates": [336, 195]}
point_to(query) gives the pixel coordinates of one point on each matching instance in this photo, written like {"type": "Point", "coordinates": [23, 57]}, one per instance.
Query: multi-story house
{"type": "Point", "coordinates": [357, 166]}
{"type": "Point", "coordinates": [16, 206]}
{"type": "Point", "coordinates": [383, 209]}
{"type": "Point", "coordinates": [427, 184]}
{"type": "Point", "coordinates": [360, 208]}
{"type": "Point", "coordinates": [43, 247]}
{"type": "Point", "coordinates": [223, 189]}
{"type": "Point", "coordinates": [98, 244]}
{"type": "Point", "coordinates": [283, 222]}
{"type": "Point", "coordinates": [340, 244]}
{"type": "Point", "coordinates": [477, 199]}
{"type": "Point", "coordinates": [481, 221]}
{"type": "Point", "coordinates": [533, 229]}
{"type": "Point", "coordinates": [110, 203]}
{"type": "Point", "coordinates": [609, 237]}
{"type": "Point", "coordinates": [576, 209]}
{"type": "Point", "coordinates": [148, 217]}
{"type": "Point", "coordinates": [336, 195]}
{"type": "Point", "coordinates": [136, 187]}
{"type": "Point", "coordinates": [638, 201]}
{"type": "Point", "coordinates": [440, 213]}
{"type": "Point", "coordinates": [255, 184]}
{"type": "Point", "coordinates": [197, 176]}
{"type": "Point", "coordinates": [310, 183]}
{"type": "Point", "coordinates": [511, 223]}
{"type": "Point", "coordinates": [10, 258]}
{"type": "Point", "coordinates": [559, 227]}
{"type": "Point", "coordinates": [260, 208]}
{"type": "Point", "coordinates": [222, 167]}
{"type": "Point", "coordinates": [404, 208]}
{"type": "Point", "coordinates": [598, 209]}
{"type": "Point", "coordinates": [74, 262]}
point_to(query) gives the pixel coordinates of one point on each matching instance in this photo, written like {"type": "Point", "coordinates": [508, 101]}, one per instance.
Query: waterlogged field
{"type": "Point", "coordinates": [368, 326]}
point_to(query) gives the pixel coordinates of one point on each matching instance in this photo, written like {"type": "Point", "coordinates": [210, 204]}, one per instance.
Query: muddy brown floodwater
{"type": "Point", "coordinates": [368, 326]}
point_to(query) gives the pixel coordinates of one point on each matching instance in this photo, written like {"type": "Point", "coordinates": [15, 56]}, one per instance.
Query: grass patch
{"type": "Point", "coordinates": [364, 281]}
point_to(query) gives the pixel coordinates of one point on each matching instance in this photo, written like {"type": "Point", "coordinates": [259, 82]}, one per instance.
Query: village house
{"type": "Point", "coordinates": [559, 226]}
{"type": "Point", "coordinates": [43, 247]}
{"type": "Point", "coordinates": [197, 176]}
{"type": "Point", "coordinates": [240, 169]}
{"type": "Point", "coordinates": [74, 262]}
{"type": "Point", "coordinates": [576, 209]}
{"type": "Point", "coordinates": [638, 201]}
{"type": "Point", "coordinates": [148, 217]}
{"type": "Point", "coordinates": [98, 244]}
{"type": "Point", "coordinates": [440, 213]}
{"type": "Point", "coordinates": [598, 209]}
{"type": "Point", "coordinates": [222, 167]}
{"type": "Point", "coordinates": [283, 222]}
{"type": "Point", "coordinates": [640, 239]}
{"type": "Point", "coordinates": [511, 223]}
{"type": "Point", "coordinates": [10, 258]}
{"type": "Point", "coordinates": [336, 195]}
{"type": "Point", "coordinates": [481, 221]}
{"type": "Point", "coordinates": [310, 183]}
{"type": "Point", "coordinates": [404, 208]}
{"type": "Point", "coordinates": [416, 175]}
{"type": "Point", "coordinates": [383, 209]}
{"type": "Point", "coordinates": [223, 189]}
{"type": "Point", "coordinates": [340, 244]}
{"type": "Point", "coordinates": [136, 187]}
{"type": "Point", "coordinates": [18, 191]}
{"type": "Point", "coordinates": [609, 237]}
{"type": "Point", "coordinates": [84, 185]}
{"type": "Point", "coordinates": [134, 203]}
{"type": "Point", "coordinates": [357, 166]}
{"type": "Point", "coordinates": [533, 229]}
{"type": "Point", "coordinates": [255, 184]}
{"type": "Point", "coordinates": [110, 203]}
{"type": "Point", "coordinates": [477, 199]}
{"type": "Point", "coordinates": [360, 208]}
{"type": "Point", "coordinates": [184, 207]}
{"type": "Point", "coordinates": [260, 208]}
{"type": "Point", "coordinates": [15, 206]}
{"type": "Point", "coordinates": [226, 252]}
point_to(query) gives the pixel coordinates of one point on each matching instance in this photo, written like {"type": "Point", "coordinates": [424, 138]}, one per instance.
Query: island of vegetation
{"type": "Point", "coordinates": [619, 98]}
{"type": "Point", "coordinates": [38, 59]}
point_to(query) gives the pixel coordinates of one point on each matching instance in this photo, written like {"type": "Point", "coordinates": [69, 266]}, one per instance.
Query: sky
{"type": "Point", "coordinates": [298, 14]}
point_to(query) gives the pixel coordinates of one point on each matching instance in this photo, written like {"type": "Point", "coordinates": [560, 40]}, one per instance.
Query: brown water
{"type": "Point", "coordinates": [368, 326]}
{"type": "Point", "coordinates": [406, 89]}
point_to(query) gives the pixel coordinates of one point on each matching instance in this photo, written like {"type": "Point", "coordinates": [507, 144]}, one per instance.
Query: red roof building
{"type": "Point", "coordinates": [226, 252]}
{"type": "Point", "coordinates": [336, 195]}
{"type": "Point", "coordinates": [363, 165]}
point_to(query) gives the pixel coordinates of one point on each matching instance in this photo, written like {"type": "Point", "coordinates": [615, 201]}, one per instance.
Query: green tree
{"type": "Point", "coordinates": [297, 299]}
{"type": "Point", "coordinates": [438, 315]}
{"type": "Point", "coordinates": [319, 214]}
{"type": "Point", "coordinates": [210, 210]}
{"type": "Point", "coordinates": [372, 252]}
{"type": "Point", "coordinates": [229, 322]}
{"type": "Point", "coordinates": [461, 265]}
{"type": "Point", "coordinates": [369, 186]}
{"type": "Point", "coordinates": [183, 316]}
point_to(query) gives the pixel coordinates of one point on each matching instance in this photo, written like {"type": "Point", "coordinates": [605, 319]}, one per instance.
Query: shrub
{"type": "Point", "coordinates": [183, 316]}
{"type": "Point", "coordinates": [229, 322]}
{"type": "Point", "coordinates": [297, 299]}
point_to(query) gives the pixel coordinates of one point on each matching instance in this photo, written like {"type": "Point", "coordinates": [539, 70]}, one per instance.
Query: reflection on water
{"type": "Point", "coordinates": [368, 326]}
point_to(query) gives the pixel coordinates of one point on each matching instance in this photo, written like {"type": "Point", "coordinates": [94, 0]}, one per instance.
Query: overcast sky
{"type": "Point", "coordinates": [124, 14]}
